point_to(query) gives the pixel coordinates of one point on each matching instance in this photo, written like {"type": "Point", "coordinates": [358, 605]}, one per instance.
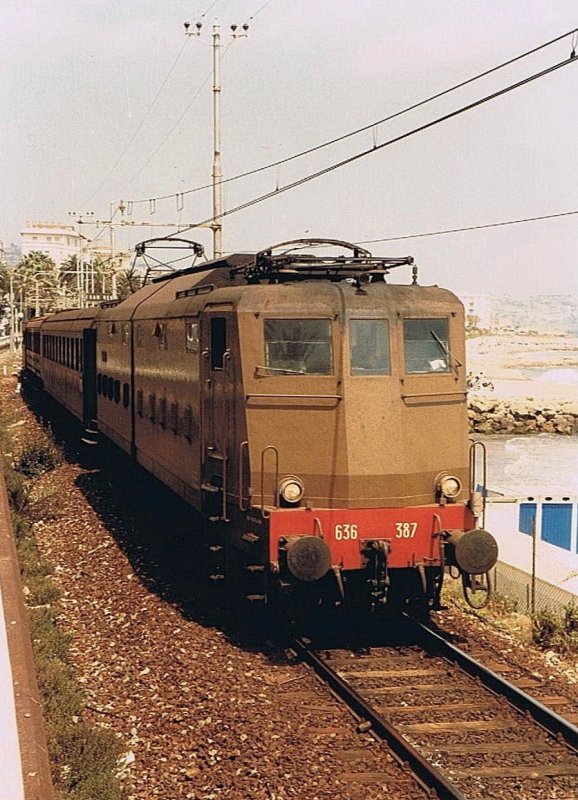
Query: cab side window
{"type": "Point", "coordinates": [426, 345]}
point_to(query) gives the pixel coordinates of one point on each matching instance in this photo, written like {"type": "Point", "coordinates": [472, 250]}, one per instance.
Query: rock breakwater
{"type": "Point", "coordinates": [491, 415]}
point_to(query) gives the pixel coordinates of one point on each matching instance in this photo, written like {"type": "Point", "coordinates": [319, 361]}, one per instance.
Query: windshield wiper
{"type": "Point", "coordinates": [446, 351]}
{"type": "Point", "coordinates": [280, 370]}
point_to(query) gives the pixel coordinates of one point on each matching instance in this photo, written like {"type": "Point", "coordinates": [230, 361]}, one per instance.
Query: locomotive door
{"type": "Point", "coordinates": [217, 422]}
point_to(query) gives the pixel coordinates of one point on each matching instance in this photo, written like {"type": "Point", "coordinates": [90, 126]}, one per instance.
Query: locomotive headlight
{"type": "Point", "coordinates": [291, 490]}
{"type": "Point", "coordinates": [449, 486]}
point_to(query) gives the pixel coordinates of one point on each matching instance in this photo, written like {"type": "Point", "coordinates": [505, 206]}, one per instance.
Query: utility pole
{"type": "Point", "coordinates": [216, 225]}
{"type": "Point", "coordinates": [217, 171]}
{"type": "Point", "coordinates": [12, 312]}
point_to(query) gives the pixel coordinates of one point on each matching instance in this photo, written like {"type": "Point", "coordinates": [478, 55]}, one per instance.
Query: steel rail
{"type": "Point", "coordinates": [553, 723]}
{"type": "Point", "coordinates": [425, 772]}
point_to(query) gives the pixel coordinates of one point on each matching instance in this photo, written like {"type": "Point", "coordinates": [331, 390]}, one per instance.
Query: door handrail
{"type": "Point", "coordinates": [242, 447]}
{"type": "Point", "coordinates": [271, 447]}
{"type": "Point", "coordinates": [226, 359]}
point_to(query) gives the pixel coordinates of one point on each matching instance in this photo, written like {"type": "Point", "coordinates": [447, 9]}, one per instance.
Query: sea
{"type": "Point", "coordinates": [565, 375]}
{"type": "Point", "coordinates": [540, 464]}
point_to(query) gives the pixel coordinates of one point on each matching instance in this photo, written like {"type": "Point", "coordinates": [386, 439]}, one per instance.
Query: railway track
{"type": "Point", "coordinates": [463, 730]}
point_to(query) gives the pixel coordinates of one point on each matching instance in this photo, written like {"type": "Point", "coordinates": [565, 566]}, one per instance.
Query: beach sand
{"type": "Point", "coordinates": [508, 361]}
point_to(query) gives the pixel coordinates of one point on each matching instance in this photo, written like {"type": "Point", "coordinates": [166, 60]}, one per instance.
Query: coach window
{"type": "Point", "coordinates": [369, 347]}
{"type": "Point", "coordinates": [153, 407]}
{"type": "Point", "coordinates": [117, 391]}
{"type": "Point", "coordinates": [140, 403]}
{"type": "Point", "coordinates": [192, 344]}
{"type": "Point", "coordinates": [99, 383]}
{"type": "Point", "coordinates": [174, 418]}
{"type": "Point", "coordinates": [299, 346]}
{"type": "Point", "coordinates": [125, 395]}
{"type": "Point", "coordinates": [124, 332]}
{"type": "Point", "coordinates": [139, 336]}
{"type": "Point", "coordinates": [426, 345]}
{"type": "Point", "coordinates": [188, 424]}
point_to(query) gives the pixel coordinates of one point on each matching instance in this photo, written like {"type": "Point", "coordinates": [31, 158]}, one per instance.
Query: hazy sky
{"type": "Point", "coordinates": [79, 78]}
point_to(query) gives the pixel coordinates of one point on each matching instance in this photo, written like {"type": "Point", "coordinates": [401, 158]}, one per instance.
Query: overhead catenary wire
{"type": "Point", "coordinates": [388, 143]}
{"type": "Point", "coordinates": [261, 8]}
{"type": "Point", "coordinates": [147, 112]}
{"type": "Point", "coordinates": [445, 231]}
{"type": "Point", "coordinates": [364, 128]}
{"type": "Point", "coordinates": [168, 134]}
{"type": "Point", "coordinates": [140, 124]}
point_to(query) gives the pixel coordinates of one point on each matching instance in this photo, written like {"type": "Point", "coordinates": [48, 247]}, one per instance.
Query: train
{"type": "Point", "coordinates": [312, 411]}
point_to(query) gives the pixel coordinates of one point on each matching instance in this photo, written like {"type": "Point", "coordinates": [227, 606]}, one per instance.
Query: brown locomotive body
{"type": "Point", "coordinates": [313, 413]}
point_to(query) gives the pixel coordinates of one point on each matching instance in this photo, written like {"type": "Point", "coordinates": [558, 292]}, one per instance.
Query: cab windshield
{"type": "Point", "coordinates": [299, 346]}
{"type": "Point", "coordinates": [426, 345]}
{"type": "Point", "coordinates": [369, 347]}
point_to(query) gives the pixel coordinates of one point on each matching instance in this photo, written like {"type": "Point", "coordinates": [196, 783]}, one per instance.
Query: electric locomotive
{"type": "Point", "coordinates": [312, 411]}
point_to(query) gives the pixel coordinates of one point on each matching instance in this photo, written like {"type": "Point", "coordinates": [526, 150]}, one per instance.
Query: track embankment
{"type": "Point", "coordinates": [30, 728]}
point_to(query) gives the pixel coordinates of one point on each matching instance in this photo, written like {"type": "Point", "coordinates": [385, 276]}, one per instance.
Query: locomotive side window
{"type": "Point", "coordinates": [302, 346]}
{"type": "Point", "coordinates": [426, 345]}
{"type": "Point", "coordinates": [218, 341]}
{"type": "Point", "coordinates": [369, 347]}
{"type": "Point", "coordinates": [160, 331]}
{"type": "Point", "coordinates": [192, 344]}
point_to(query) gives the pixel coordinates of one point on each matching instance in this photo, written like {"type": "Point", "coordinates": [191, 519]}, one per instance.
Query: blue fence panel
{"type": "Point", "coordinates": [557, 524]}
{"type": "Point", "coordinates": [527, 517]}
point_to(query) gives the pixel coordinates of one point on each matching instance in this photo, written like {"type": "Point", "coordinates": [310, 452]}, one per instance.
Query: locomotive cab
{"type": "Point", "coordinates": [356, 417]}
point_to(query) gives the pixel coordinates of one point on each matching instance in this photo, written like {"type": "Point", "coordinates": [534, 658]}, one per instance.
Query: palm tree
{"type": "Point", "coordinates": [36, 280]}
{"type": "Point", "coordinates": [128, 282]}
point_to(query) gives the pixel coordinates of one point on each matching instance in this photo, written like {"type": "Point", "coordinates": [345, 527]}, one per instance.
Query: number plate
{"type": "Point", "coordinates": [344, 532]}
{"type": "Point", "coordinates": [405, 530]}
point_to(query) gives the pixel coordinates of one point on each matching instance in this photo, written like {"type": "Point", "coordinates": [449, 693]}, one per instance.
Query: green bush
{"type": "Point", "coordinates": [546, 628]}
{"type": "Point", "coordinates": [38, 457]}
{"type": "Point", "coordinates": [48, 641]}
{"type": "Point", "coordinates": [41, 591]}
{"type": "Point", "coordinates": [90, 756]}
{"type": "Point", "coordinates": [18, 492]}
{"type": "Point", "coordinates": [571, 618]}
{"type": "Point", "coordinates": [62, 696]}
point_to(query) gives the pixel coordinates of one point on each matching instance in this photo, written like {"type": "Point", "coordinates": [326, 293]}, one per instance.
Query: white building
{"type": "Point", "coordinates": [51, 238]}
{"type": "Point", "coordinates": [537, 539]}
{"type": "Point", "coordinates": [478, 309]}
